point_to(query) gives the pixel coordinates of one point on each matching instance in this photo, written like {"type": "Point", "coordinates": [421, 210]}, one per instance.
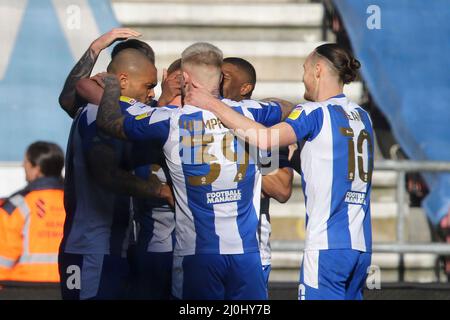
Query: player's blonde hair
{"type": "Point", "coordinates": [203, 62]}
{"type": "Point", "coordinates": [202, 53]}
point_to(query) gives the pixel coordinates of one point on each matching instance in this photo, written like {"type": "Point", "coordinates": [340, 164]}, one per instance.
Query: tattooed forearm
{"type": "Point", "coordinates": [104, 166]}
{"type": "Point", "coordinates": [68, 98]}
{"type": "Point", "coordinates": [109, 116]}
{"type": "Point", "coordinates": [127, 183]}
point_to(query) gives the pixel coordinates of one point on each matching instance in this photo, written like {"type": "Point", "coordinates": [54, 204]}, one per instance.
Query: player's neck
{"type": "Point", "coordinates": [176, 101]}
{"type": "Point", "coordinates": [215, 92]}
{"type": "Point", "coordinates": [328, 91]}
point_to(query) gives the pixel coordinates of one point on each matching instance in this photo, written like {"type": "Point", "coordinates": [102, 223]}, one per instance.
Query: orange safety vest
{"type": "Point", "coordinates": [31, 229]}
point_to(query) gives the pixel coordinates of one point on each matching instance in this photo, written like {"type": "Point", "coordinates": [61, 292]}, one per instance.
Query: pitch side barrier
{"type": "Point", "coordinates": [401, 246]}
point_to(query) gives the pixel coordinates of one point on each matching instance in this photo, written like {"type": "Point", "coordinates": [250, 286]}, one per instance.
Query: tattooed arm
{"type": "Point", "coordinates": [103, 165]}
{"type": "Point", "coordinates": [109, 115]}
{"type": "Point", "coordinates": [68, 98]}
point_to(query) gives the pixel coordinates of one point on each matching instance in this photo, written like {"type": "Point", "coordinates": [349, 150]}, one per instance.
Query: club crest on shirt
{"type": "Point", "coordinates": [295, 113]}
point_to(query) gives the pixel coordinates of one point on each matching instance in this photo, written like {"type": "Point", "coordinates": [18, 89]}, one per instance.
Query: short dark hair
{"type": "Point", "coordinates": [243, 65]}
{"type": "Point", "coordinates": [342, 60]}
{"type": "Point", "coordinates": [134, 44]}
{"type": "Point", "coordinates": [174, 66]}
{"type": "Point", "coordinates": [48, 156]}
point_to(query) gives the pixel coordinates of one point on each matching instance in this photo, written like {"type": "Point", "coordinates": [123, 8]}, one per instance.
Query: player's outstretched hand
{"type": "Point", "coordinates": [196, 94]}
{"type": "Point", "coordinates": [116, 34]}
{"type": "Point", "coordinates": [91, 89]}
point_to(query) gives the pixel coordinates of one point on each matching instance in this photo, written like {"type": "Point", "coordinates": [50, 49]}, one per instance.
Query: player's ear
{"type": "Point", "coordinates": [246, 88]}
{"type": "Point", "coordinates": [186, 78]}
{"type": "Point", "coordinates": [123, 79]}
{"type": "Point", "coordinates": [317, 70]}
{"type": "Point", "coordinates": [186, 82]}
{"type": "Point", "coordinates": [164, 76]}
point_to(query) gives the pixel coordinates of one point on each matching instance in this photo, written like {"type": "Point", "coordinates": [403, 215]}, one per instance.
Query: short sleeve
{"type": "Point", "coordinates": [306, 123]}
{"type": "Point", "coordinates": [152, 125]}
{"type": "Point", "coordinates": [266, 113]}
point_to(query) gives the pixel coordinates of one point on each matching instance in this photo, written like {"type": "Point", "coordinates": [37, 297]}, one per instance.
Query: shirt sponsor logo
{"type": "Point", "coordinates": [355, 197]}
{"type": "Point", "coordinates": [295, 113]}
{"type": "Point", "coordinates": [223, 196]}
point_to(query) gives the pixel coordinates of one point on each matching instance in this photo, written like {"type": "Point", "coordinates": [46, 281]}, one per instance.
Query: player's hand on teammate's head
{"type": "Point", "coordinates": [98, 78]}
{"type": "Point", "coordinates": [174, 78]}
{"type": "Point", "coordinates": [116, 34]}
{"type": "Point", "coordinates": [170, 87]}
{"type": "Point", "coordinates": [196, 94]}
{"type": "Point", "coordinates": [91, 89]}
{"type": "Point", "coordinates": [109, 79]}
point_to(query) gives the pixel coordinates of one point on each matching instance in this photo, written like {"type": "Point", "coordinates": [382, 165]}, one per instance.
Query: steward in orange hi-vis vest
{"type": "Point", "coordinates": [32, 220]}
{"type": "Point", "coordinates": [31, 229]}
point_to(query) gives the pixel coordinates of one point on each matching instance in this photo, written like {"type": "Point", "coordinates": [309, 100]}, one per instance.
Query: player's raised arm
{"type": "Point", "coordinates": [257, 134]}
{"type": "Point", "coordinates": [109, 115]}
{"type": "Point", "coordinates": [68, 98]}
{"type": "Point", "coordinates": [91, 89]}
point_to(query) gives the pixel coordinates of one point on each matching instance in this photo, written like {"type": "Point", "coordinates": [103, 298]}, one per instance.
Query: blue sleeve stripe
{"type": "Point", "coordinates": [297, 131]}
{"type": "Point", "coordinates": [317, 116]}
{"type": "Point", "coordinates": [267, 114]}
{"type": "Point", "coordinates": [307, 126]}
{"type": "Point", "coordinates": [143, 129]}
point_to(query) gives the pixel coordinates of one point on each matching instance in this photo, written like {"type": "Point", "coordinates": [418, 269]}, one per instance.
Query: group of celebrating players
{"type": "Point", "coordinates": [166, 199]}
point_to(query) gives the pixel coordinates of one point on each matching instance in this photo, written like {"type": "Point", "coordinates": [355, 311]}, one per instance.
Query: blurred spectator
{"type": "Point", "coordinates": [31, 222]}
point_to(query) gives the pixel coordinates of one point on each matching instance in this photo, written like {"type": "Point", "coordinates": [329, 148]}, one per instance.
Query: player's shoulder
{"type": "Point", "coordinates": [309, 106]}
{"type": "Point", "coordinates": [142, 111]}
{"type": "Point", "coordinates": [159, 114]}
{"type": "Point", "coordinates": [249, 103]}
{"type": "Point", "coordinates": [132, 106]}
{"type": "Point", "coordinates": [359, 108]}
{"type": "Point", "coordinates": [88, 115]}
{"type": "Point", "coordinates": [304, 108]}
{"type": "Point", "coordinates": [363, 113]}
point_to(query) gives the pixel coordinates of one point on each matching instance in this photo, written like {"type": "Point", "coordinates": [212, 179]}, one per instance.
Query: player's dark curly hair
{"type": "Point", "coordinates": [342, 60]}
{"type": "Point", "coordinates": [243, 65]}
{"type": "Point", "coordinates": [134, 44]}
